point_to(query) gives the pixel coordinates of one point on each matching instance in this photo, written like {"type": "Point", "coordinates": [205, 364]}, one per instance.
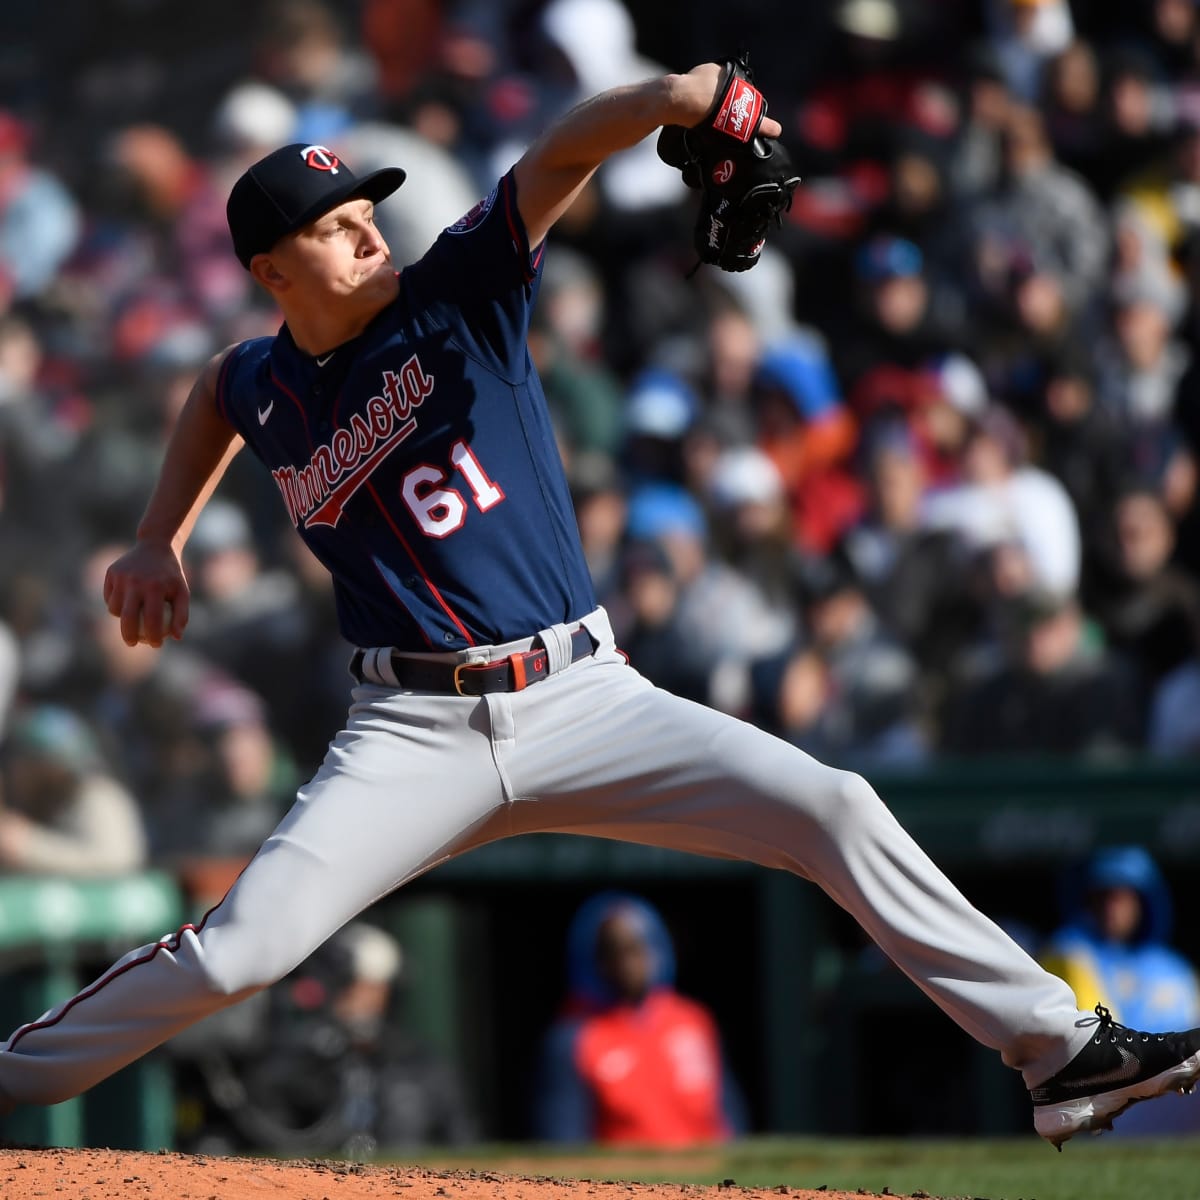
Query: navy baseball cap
{"type": "Point", "coordinates": [292, 186]}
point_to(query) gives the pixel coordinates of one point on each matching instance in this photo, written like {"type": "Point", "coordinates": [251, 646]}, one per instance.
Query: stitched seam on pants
{"type": "Point", "coordinates": [499, 709]}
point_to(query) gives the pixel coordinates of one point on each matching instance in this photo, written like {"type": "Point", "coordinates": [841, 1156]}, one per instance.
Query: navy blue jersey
{"type": "Point", "coordinates": [418, 461]}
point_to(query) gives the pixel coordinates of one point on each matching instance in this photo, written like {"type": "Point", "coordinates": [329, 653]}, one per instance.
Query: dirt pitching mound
{"type": "Point", "coordinates": [109, 1174]}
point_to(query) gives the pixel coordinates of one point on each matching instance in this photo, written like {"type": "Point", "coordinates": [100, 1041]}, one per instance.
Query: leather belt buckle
{"type": "Point", "coordinates": [458, 679]}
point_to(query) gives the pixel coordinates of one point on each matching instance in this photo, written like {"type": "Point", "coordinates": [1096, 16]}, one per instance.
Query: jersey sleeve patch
{"type": "Point", "coordinates": [475, 215]}
{"type": "Point", "coordinates": [505, 191]}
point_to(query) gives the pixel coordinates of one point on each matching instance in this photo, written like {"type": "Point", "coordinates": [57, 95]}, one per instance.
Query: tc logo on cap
{"type": "Point", "coordinates": [321, 158]}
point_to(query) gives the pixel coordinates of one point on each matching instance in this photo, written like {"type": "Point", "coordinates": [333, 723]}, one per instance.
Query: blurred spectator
{"type": "Point", "coordinates": [733, 347]}
{"type": "Point", "coordinates": [1042, 214]}
{"type": "Point", "coordinates": [660, 408]}
{"type": "Point", "coordinates": [596, 41]}
{"type": "Point", "coordinates": [1142, 364]}
{"type": "Point", "coordinates": [920, 209]}
{"type": "Point", "coordinates": [897, 327]}
{"type": "Point", "coordinates": [752, 532]}
{"type": "Point", "coordinates": [40, 222]}
{"type": "Point", "coordinates": [914, 577]}
{"type": "Point", "coordinates": [234, 787]}
{"type": "Point", "coordinates": [807, 432]}
{"type": "Point", "coordinates": [698, 618]}
{"type": "Point", "coordinates": [631, 1061]}
{"type": "Point", "coordinates": [1003, 498]}
{"type": "Point", "coordinates": [1140, 367]}
{"type": "Point", "coordinates": [652, 636]}
{"type": "Point", "coordinates": [138, 699]}
{"type": "Point", "coordinates": [1173, 725]}
{"type": "Point", "coordinates": [766, 295]}
{"type": "Point", "coordinates": [938, 400]}
{"type": "Point", "coordinates": [303, 50]}
{"type": "Point", "coordinates": [403, 38]}
{"type": "Point", "coordinates": [1075, 120]}
{"type": "Point", "coordinates": [1027, 34]}
{"type": "Point", "coordinates": [1142, 258]}
{"type": "Point", "coordinates": [1141, 115]}
{"type": "Point", "coordinates": [849, 692]}
{"type": "Point", "coordinates": [872, 86]}
{"type": "Point", "coordinates": [1114, 949]}
{"type": "Point", "coordinates": [1167, 191]}
{"type": "Point", "coordinates": [723, 618]}
{"type": "Point", "coordinates": [61, 812]}
{"type": "Point", "coordinates": [598, 494]}
{"type": "Point", "coordinates": [1149, 608]}
{"type": "Point", "coordinates": [752, 528]}
{"type": "Point", "coordinates": [1055, 691]}
{"type": "Point", "coordinates": [977, 155]}
{"type": "Point", "coordinates": [175, 196]}
{"type": "Point", "coordinates": [1080, 443]}
{"type": "Point", "coordinates": [330, 1068]}
{"type": "Point", "coordinates": [1173, 30]}
{"type": "Point", "coordinates": [566, 341]}
{"type": "Point", "coordinates": [246, 617]}
{"type": "Point", "coordinates": [43, 426]}
{"type": "Point", "coordinates": [251, 120]}
{"type": "Point", "coordinates": [1031, 325]}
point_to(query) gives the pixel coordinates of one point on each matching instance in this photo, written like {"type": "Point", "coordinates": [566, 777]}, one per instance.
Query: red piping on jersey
{"type": "Point", "coordinates": [408, 550]}
{"type": "Point", "coordinates": [308, 435]}
{"type": "Point", "coordinates": [519, 236]}
{"type": "Point", "coordinates": [387, 516]}
{"type": "Point", "coordinates": [420, 628]}
{"type": "Point", "coordinates": [295, 400]}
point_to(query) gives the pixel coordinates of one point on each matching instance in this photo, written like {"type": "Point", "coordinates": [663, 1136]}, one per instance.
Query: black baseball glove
{"type": "Point", "coordinates": [747, 180]}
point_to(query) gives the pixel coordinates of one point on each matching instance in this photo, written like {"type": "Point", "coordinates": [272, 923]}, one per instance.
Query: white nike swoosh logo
{"type": "Point", "coordinates": [1127, 1068]}
{"type": "Point", "coordinates": [264, 413]}
{"type": "Point", "coordinates": [322, 361]}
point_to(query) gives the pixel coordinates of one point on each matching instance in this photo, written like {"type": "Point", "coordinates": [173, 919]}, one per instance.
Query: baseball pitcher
{"type": "Point", "coordinates": [402, 421]}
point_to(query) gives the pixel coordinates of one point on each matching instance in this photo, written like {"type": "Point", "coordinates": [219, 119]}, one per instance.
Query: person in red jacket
{"type": "Point", "coordinates": [630, 1061]}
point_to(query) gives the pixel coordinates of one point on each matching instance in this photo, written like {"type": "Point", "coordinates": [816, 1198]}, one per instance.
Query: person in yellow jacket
{"type": "Point", "coordinates": [1113, 949]}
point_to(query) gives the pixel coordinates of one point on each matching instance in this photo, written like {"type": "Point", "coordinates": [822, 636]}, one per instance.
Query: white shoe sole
{"type": "Point", "coordinates": [1058, 1122]}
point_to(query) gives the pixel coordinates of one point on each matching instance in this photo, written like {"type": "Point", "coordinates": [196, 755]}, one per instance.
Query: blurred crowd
{"type": "Point", "coordinates": [921, 484]}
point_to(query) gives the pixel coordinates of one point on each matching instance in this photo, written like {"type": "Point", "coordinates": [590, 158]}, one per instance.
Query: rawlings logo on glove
{"type": "Point", "coordinates": [746, 180]}
{"type": "Point", "coordinates": [742, 111]}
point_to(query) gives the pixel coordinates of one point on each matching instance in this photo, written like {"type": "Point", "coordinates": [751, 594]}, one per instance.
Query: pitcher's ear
{"type": "Point", "coordinates": [264, 270]}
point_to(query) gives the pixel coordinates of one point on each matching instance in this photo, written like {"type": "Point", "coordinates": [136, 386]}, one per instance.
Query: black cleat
{"type": "Point", "coordinates": [1117, 1068]}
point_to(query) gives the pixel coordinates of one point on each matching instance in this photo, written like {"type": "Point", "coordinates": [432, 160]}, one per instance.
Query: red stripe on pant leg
{"type": "Point", "coordinates": [114, 973]}
{"type": "Point", "coordinates": [88, 992]}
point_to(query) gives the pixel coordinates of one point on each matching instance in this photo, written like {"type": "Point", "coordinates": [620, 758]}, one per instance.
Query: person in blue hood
{"type": "Point", "coordinates": [1114, 949]}
{"type": "Point", "coordinates": [630, 1061]}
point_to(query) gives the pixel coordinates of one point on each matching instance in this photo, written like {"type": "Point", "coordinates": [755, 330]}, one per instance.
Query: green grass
{"type": "Point", "coordinates": [1000, 1169]}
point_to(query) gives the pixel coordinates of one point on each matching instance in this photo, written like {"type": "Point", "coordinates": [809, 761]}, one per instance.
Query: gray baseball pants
{"type": "Point", "coordinates": [417, 778]}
